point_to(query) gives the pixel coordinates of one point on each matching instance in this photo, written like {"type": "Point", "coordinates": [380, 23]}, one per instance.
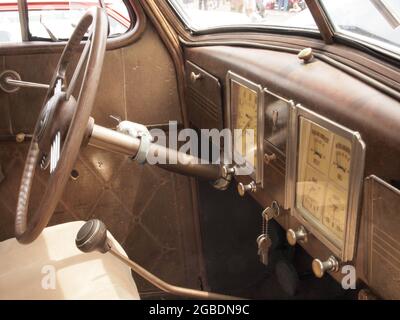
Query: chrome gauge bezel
{"type": "Point", "coordinates": [357, 163]}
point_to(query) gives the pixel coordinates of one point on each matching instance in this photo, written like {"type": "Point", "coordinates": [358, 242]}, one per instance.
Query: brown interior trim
{"type": "Point", "coordinates": [347, 57]}
{"type": "Point", "coordinates": [172, 43]}
{"type": "Point", "coordinates": [171, 40]}
{"type": "Point", "coordinates": [36, 47]}
{"type": "Point", "coordinates": [375, 78]}
{"type": "Point", "coordinates": [321, 20]}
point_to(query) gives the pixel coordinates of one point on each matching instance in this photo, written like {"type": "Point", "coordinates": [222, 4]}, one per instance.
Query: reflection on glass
{"type": "Point", "coordinates": [205, 14]}
{"type": "Point", "coordinates": [362, 20]}
{"type": "Point", "coordinates": [56, 20]}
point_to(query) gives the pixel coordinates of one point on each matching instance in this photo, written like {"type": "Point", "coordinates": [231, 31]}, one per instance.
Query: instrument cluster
{"type": "Point", "coordinates": [324, 161]}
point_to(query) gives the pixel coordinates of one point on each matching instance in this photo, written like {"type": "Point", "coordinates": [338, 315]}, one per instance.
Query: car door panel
{"type": "Point", "coordinates": [134, 201]}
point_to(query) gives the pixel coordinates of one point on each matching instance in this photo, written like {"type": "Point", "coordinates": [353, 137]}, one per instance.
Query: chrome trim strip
{"type": "Point", "coordinates": [288, 192]}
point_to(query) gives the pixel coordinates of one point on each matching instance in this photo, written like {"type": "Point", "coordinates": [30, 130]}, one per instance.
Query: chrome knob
{"type": "Point", "coordinates": [293, 236]}
{"type": "Point", "coordinates": [243, 188]}
{"type": "Point", "coordinates": [195, 76]}
{"type": "Point", "coordinates": [227, 172]}
{"type": "Point", "coordinates": [321, 267]}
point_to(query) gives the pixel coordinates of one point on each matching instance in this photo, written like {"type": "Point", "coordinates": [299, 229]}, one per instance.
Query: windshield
{"type": "Point", "coordinates": [209, 14]}
{"type": "Point", "coordinates": [370, 21]}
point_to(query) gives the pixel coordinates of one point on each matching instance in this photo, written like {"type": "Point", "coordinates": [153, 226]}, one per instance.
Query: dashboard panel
{"type": "Point", "coordinates": [340, 113]}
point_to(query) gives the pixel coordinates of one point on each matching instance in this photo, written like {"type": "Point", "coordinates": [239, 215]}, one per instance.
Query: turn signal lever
{"type": "Point", "coordinates": [93, 237]}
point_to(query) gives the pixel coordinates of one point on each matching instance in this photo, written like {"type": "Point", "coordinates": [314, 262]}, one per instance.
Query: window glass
{"type": "Point", "coordinates": [9, 21]}
{"type": "Point", "coordinates": [56, 19]}
{"type": "Point", "coordinates": [208, 14]}
{"type": "Point", "coordinates": [376, 22]}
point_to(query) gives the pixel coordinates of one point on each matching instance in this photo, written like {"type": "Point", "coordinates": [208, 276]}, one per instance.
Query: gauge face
{"type": "Point", "coordinates": [323, 179]}
{"type": "Point", "coordinates": [340, 161]}
{"type": "Point", "coordinates": [245, 118]}
{"type": "Point", "coordinates": [335, 210]}
{"type": "Point", "coordinates": [319, 148]}
{"type": "Point", "coordinates": [313, 192]}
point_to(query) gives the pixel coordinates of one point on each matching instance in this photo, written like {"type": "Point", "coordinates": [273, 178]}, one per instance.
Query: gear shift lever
{"type": "Point", "coordinates": [93, 237]}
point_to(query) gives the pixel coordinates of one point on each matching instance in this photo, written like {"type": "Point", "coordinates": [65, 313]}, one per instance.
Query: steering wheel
{"type": "Point", "coordinates": [62, 123]}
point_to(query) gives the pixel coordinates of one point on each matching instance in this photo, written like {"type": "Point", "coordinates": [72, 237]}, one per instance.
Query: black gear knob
{"type": "Point", "coordinates": [92, 236]}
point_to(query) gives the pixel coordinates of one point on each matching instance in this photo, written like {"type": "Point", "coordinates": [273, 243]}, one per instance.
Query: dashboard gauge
{"type": "Point", "coordinates": [335, 210]}
{"type": "Point", "coordinates": [323, 199]}
{"type": "Point", "coordinates": [325, 164]}
{"type": "Point", "coordinates": [340, 161]}
{"type": "Point", "coordinates": [319, 148]}
{"type": "Point", "coordinates": [313, 192]}
{"type": "Point", "coordinates": [246, 121]}
{"type": "Point", "coordinates": [244, 117]}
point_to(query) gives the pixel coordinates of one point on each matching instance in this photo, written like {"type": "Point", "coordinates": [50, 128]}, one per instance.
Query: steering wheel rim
{"type": "Point", "coordinates": [62, 120]}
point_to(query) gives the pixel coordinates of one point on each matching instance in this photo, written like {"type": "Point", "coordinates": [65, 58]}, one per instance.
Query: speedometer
{"type": "Point", "coordinates": [246, 121]}
{"type": "Point", "coordinates": [245, 118]}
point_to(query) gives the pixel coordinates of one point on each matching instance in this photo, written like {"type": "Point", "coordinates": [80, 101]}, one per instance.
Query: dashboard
{"type": "Point", "coordinates": [326, 145]}
{"type": "Point", "coordinates": [324, 160]}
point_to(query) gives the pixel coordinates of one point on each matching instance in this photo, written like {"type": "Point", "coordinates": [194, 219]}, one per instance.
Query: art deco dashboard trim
{"type": "Point", "coordinates": [233, 77]}
{"type": "Point", "coordinates": [290, 105]}
{"type": "Point", "coordinates": [346, 251]}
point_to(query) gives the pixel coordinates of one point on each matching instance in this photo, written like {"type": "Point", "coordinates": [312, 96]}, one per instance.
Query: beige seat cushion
{"type": "Point", "coordinates": [53, 268]}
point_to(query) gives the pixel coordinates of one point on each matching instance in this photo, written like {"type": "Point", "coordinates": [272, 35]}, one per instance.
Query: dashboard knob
{"type": "Point", "coordinates": [227, 171]}
{"type": "Point", "coordinates": [306, 55]}
{"type": "Point", "coordinates": [321, 267]}
{"type": "Point", "coordinates": [293, 236]}
{"type": "Point", "coordinates": [243, 188]}
{"type": "Point", "coordinates": [195, 76]}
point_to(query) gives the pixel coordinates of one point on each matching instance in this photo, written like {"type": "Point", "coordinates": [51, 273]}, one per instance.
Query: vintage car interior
{"type": "Point", "coordinates": [89, 88]}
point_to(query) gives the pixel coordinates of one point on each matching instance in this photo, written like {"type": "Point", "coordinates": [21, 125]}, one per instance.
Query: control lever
{"type": "Point", "coordinates": [93, 237]}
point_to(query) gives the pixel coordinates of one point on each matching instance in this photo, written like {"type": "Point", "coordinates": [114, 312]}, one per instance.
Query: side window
{"type": "Point", "coordinates": [10, 30]}
{"type": "Point", "coordinates": [55, 20]}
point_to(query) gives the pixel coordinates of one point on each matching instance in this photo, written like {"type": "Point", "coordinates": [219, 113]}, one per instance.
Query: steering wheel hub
{"type": "Point", "coordinates": [56, 118]}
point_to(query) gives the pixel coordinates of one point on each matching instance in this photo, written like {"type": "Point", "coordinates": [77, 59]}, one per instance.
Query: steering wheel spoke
{"type": "Point", "coordinates": [55, 152]}
{"type": "Point", "coordinates": [79, 67]}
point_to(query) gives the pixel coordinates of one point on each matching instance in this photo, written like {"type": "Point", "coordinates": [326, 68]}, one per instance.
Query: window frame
{"type": "Point", "coordinates": [314, 33]}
